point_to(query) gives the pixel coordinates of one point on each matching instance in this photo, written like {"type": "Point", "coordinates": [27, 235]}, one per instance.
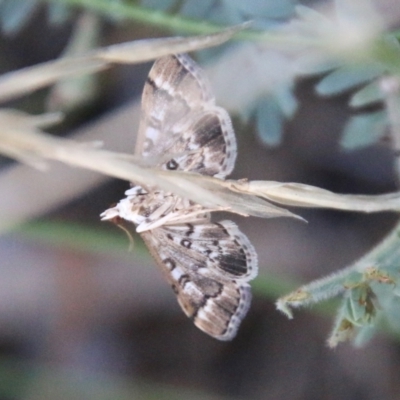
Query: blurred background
{"type": "Point", "coordinates": [81, 317]}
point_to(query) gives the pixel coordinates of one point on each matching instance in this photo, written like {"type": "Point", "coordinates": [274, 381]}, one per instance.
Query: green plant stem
{"type": "Point", "coordinates": [85, 238]}
{"type": "Point", "coordinates": [179, 23]}
{"type": "Point", "coordinates": [20, 378]}
{"type": "Point", "coordinates": [150, 16]}
{"type": "Point", "coordinates": [383, 256]}
{"type": "Point", "coordinates": [380, 51]}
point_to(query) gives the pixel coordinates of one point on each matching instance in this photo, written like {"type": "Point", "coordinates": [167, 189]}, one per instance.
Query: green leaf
{"type": "Point", "coordinates": [364, 334]}
{"type": "Point", "coordinates": [369, 94]}
{"type": "Point", "coordinates": [314, 64]}
{"type": "Point", "coordinates": [210, 10]}
{"type": "Point", "coordinates": [162, 5]}
{"type": "Point", "coordinates": [363, 130]}
{"type": "Point", "coordinates": [370, 292]}
{"type": "Point", "coordinates": [58, 13]}
{"type": "Point", "coordinates": [269, 120]}
{"type": "Point", "coordinates": [311, 16]}
{"type": "Point", "coordinates": [286, 100]}
{"type": "Point", "coordinates": [15, 13]}
{"type": "Point", "coordinates": [265, 8]}
{"type": "Point", "coordinates": [347, 77]}
{"type": "Point", "coordinates": [360, 307]}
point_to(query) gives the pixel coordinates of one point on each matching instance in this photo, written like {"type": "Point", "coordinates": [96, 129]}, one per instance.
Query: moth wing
{"type": "Point", "coordinates": [215, 299]}
{"type": "Point", "coordinates": [225, 249]}
{"type": "Point", "coordinates": [180, 127]}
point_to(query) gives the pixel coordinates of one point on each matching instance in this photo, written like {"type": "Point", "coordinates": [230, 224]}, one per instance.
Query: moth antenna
{"type": "Point", "coordinates": [130, 237]}
{"type": "Point", "coordinates": [119, 222]}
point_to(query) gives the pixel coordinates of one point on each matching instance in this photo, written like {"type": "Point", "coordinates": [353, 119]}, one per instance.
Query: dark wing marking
{"type": "Point", "coordinates": [226, 249]}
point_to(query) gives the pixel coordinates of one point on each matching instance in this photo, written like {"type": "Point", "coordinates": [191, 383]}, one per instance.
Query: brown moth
{"type": "Point", "coordinates": [208, 264]}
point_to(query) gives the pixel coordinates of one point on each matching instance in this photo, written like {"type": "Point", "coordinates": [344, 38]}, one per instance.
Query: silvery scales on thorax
{"type": "Point", "coordinates": [208, 264]}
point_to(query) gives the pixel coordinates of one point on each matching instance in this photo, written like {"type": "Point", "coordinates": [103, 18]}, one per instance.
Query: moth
{"type": "Point", "coordinates": [208, 264]}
